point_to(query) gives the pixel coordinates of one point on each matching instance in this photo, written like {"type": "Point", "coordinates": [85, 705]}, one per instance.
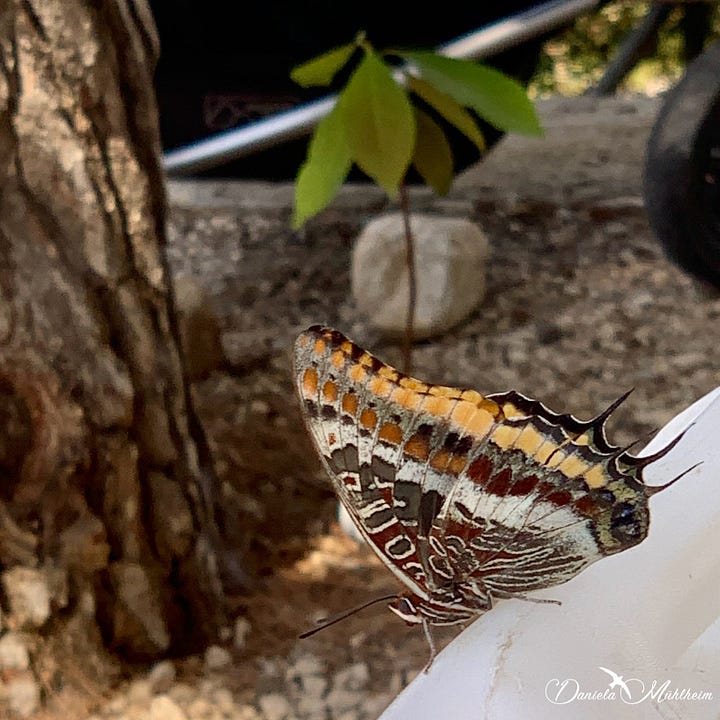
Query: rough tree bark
{"type": "Point", "coordinates": [104, 472]}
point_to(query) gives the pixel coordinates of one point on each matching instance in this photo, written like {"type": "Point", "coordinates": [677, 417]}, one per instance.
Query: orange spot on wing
{"type": "Point", "coordinates": [529, 440]}
{"type": "Point", "coordinates": [472, 419]}
{"type": "Point", "coordinates": [338, 359]}
{"type": "Point", "coordinates": [462, 412]}
{"type": "Point", "coordinates": [511, 411]}
{"type": "Point", "coordinates": [413, 384]}
{"type": "Point", "coordinates": [310, 382]}
{"type": "Point", "coordinates": [417, 447]}
{"type": "Point", "coordinates": [368, 419]}
{"type": "Point", "coordinates": [350, 403]}
{"type": "Point", "coordinates": [597, 477]}
{"type": "Point", "coordinates": [573, 466]}
{"type": "Point", "coordinates": [440, 460]}
{"type": "Point", "coordinates": [505, 435]}
{"type": "Point", "coordinates": [357, 373]}
{"type": "Point", "coordinates": [480, 423]}
{"type": "Point", "coordinates": [347, 347]}
{"type": "Point", "coordinates": [319, 346]}
{"type": "Point", "coordinates": [457, 464]}
{"type": "Point", "coordinates": [472, 396]}
{"type": "Point", "coordinates": [380, 386]}
{"type": "Point", "coordinates": [387, 372]}
{"type": "Point", "coordinates": [439, 406]}
{"type": "Point", "coordinates": [405, 397]}
{"type": "Point", "coordinates": [391, 432]}
{"type": "Point", "coordinates": [545, 451]}
{"type": "Point", "coordinates": [490, 406]}
{"type": "Point", "coordinates": [443, 391]}
{"type": "Point", "coordinates": [583, 439]}
{"type": "Point", "coordinates": [330, 391]}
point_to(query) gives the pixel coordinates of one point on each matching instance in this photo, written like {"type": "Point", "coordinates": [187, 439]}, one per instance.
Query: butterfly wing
{"type": "Point", "coordinates": [543, 496]}
{"type": "Point", "coordinates": [385, 440]}
{"type": "Point", "coordinates": [465, 497]}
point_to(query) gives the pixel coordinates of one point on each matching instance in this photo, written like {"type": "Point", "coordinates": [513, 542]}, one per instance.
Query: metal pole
{"type": "Point", "coordinates": [632, 49]}
{"type": "Point", "coordinates": [290, 124]}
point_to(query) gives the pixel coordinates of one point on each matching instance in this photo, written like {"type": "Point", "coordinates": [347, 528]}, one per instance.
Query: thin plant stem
{"type": "Point", "coordinates": [412, 281]}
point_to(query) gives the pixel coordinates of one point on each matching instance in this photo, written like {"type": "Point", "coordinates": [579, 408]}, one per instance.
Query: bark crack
{"type": "Point", "coordinates": [35, 20]}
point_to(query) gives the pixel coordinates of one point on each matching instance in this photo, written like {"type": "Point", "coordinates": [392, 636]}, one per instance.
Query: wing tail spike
{"type": "Point", "coordinates": [623, 450]}
{"type": "Point", "coordinates": [651, 490]}
{"type": "Point", "coordinates": [598, 422]}
{"type": "Point", "coordinates": [645, 460]}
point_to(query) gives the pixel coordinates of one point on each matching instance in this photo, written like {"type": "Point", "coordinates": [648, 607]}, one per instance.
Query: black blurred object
{"type": "Point", "coordinates": [223, 64]}
{"type": "Point", "coordinates": [682, 169]}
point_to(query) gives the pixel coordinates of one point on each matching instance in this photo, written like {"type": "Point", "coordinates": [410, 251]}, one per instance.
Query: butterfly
{"type": "Point", "coordinates": [466, 498]}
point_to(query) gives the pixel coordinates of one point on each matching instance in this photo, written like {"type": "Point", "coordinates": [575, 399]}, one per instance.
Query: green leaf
{"type": "Point", "coordinates": [433, 156]}
{"type": "Point", "coordinates": [497, 98]}
{"type": "Point", "coordinates": [379, 123]}
{"type": "Point", "coordinates": [452, 111]}
{"type": "Point", "coordinates": [324, 170]}
{"type": "Point", "coordinates": [322, 69]}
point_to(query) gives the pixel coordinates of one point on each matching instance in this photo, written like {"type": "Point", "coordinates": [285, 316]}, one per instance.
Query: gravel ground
{"type": "Point", "coordinates": [581, 306]}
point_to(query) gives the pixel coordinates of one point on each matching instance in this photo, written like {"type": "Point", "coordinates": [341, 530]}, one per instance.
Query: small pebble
{"type": "Point", "coordinates": [116, 705]}
{"type": "Point", "coordinates": [306, 665]}
{"type": "Point", "coordinates": [199, 709]}
{"type": "Point", "coordinates": [182, 693]}
{"type": "Point", "coordinates": [274, 706]}
{"type": "Point", "coordinates": [217, 658]}
{"type": "Point", "coordinates": [224, 700]}
{"type": "Point", "coordinates": [139, 692]}
{"type": "Point", "coordinates": [312, 708]}
{"type": "Point", "coordinates": [342, 700]}
{"type": "Point", "coordinates": [28, 595]}
{"type": "Point", "coordinates": [354, 677]}
{"type": "Point", "coordinates": [22, 694]}
{"type": "Point", "coordinates": [162, 676]}
{"type": "Point", "coordinates": [242, 629]}
{"type": "Point", "coordinates": [13, 652]}
{"type": "Point", "coordinates": [163, 707]}
{"type": "Point", "coordinates": [314, 686]}
{"type": "Point", "coordinates": [246, 712]}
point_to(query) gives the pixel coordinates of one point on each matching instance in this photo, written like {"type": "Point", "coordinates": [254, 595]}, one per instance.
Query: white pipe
{"type": "Point", "coordinates": [290, 124]}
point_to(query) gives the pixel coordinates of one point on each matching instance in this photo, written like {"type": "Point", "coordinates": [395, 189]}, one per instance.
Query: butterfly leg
{"type": "Point", "coordinates": [514, 596]}
{"type": "Point", "coordinates": [431, 643]}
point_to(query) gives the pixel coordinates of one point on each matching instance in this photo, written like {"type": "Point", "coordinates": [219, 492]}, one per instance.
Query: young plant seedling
{"type": "Point", "coordinates": [377, 124]}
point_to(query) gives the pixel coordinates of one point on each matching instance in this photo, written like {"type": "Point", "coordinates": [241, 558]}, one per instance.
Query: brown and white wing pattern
{"type": "Point", "coordinates": [465, 497]}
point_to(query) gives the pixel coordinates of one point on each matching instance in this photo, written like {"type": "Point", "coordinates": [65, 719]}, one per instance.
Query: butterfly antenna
{"type": "Point", "coordinates": [327, 622]}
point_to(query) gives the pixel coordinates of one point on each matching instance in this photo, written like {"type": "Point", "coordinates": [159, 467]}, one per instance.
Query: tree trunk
{"type": "Point", "coordinates": [104, 471]}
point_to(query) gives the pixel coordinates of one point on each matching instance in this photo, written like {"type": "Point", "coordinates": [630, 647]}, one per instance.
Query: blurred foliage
{"type": "Point", "coordinates": [574, 59]}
